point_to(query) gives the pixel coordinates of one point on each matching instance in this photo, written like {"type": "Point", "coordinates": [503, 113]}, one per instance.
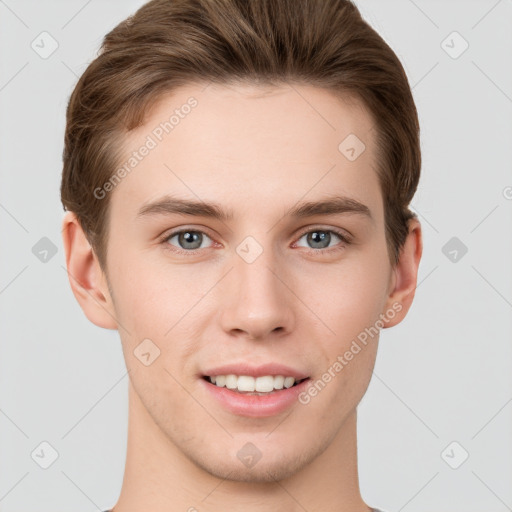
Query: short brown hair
{"type": "Point", "coordinates": [168, 43]}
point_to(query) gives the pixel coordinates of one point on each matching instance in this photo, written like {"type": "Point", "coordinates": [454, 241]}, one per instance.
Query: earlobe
{"type": "Point", "coordinates": [405, 275]}
{"type": "Point", "coordinates": [88, 281]}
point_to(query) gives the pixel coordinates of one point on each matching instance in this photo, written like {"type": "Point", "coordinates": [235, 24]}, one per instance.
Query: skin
{"type": "Point", "coordinates": [258, 151]}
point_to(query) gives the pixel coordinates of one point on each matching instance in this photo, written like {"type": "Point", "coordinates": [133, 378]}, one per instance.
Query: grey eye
{"type": "Point", "coordinates": [189, 239]}
{"type": "Point", "coordinates": [319, 238]}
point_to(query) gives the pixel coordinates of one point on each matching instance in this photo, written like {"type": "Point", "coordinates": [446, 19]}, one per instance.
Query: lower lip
{"type": "Point", "coordinates": [255, 405]}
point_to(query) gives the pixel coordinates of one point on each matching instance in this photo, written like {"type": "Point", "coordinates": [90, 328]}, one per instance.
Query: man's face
{"type": "Point", "coordinates": [261, 288]}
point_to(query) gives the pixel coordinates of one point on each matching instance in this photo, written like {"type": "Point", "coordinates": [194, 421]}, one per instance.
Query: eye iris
{"type": "Point", "coordinates": [318, 237]}
{"type": "Point", "coordinates": [190, 237]}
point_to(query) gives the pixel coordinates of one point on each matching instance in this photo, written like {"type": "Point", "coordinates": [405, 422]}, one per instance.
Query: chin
{"type": "Point", "coordinates": [261, 473]}
{"type": "Point", "coordinates": [274, 465]}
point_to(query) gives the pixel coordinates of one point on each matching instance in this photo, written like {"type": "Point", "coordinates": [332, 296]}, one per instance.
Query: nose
{"type": "Point", "coordinates": [257, 304]}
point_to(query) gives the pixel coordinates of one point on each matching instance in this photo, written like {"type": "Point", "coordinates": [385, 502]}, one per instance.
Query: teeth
{"type": "Point", "coordinates": [289, 382]}
{"type": "Point", "coordinates": [264, 384]}
{"type": "Point", "coordinates": [248, 384]}
{"type": "Point", "coordinates": [231, 381]}
{"type": "Point", "coordinates": [278, 382]}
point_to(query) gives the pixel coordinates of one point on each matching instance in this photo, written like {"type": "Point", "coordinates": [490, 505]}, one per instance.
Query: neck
{"type": "Point", "coordinates": [160, 478]}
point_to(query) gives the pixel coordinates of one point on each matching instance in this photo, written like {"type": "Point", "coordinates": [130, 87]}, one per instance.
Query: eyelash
{"type": "Point", "coordinates": [345, 240]}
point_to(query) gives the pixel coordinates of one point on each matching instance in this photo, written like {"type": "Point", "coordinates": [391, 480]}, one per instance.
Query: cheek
{"type": "Point", "coordinates": [348, 297]}
{"type": "Point", "coordinates": [350, 305]}
{"type": "Point", "coordinates": [151, 296]}
{"type": "Point", "coordinates": [349, 349]}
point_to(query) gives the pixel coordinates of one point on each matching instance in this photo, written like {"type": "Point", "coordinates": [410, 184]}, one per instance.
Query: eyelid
{"type": "Point", "coordinates": [342, 233]}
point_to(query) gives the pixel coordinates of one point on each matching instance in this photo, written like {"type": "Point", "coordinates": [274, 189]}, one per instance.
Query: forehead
{"type": "Point", "coordinates": [252, 146]}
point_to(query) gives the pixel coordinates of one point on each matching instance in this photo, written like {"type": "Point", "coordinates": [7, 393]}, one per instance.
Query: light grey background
{"type": "Point", "coordinates": [444, 375]}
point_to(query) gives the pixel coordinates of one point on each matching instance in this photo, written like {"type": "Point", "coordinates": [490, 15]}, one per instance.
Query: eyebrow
{"type": "Point", "coordinates": [169, 205]}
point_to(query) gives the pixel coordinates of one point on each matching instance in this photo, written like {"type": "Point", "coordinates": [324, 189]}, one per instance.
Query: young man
{"type": "Point", "coordinates": [238, 176]}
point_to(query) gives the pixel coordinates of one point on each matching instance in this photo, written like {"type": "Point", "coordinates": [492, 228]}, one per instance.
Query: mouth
{"type": "Point", "coordinates": [264, 385]}
{"type": "Point", "coordinates": [260, 391]}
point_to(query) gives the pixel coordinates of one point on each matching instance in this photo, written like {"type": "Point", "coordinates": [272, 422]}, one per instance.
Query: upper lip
{"type": "Point", "coordinates": [273, 369]}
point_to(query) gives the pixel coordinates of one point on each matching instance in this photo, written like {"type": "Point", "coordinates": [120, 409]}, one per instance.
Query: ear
{"type": "Point", "coordinates": [87, 279]}
{"type": "Point", "coordinates": [404, 276]}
